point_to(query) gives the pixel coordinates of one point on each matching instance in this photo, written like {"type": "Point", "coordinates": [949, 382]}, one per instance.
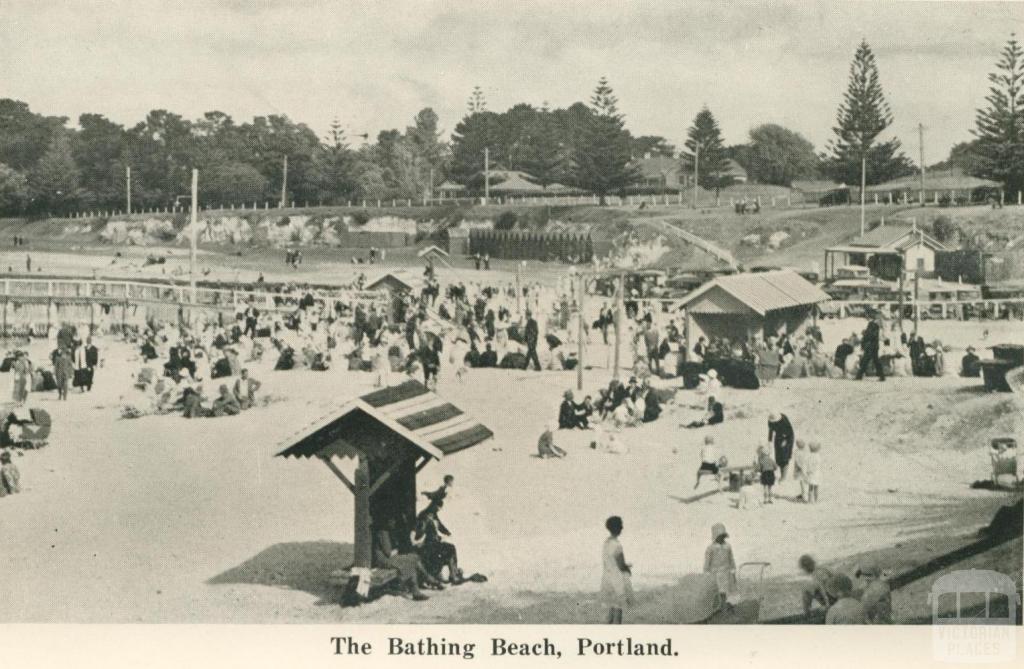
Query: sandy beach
{"type": "Point", "coordinates": [162, 519]}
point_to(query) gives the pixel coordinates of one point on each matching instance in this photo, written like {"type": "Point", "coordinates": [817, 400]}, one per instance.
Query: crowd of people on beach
{"type": "Point", "coordinates": [465, 325]}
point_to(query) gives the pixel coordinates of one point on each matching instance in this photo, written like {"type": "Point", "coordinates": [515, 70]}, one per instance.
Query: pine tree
{"type": "Point", "coordinates": [1000, 126]}
{"type": "Point", "coordinates": [860, 119]}
{"type": "Point", "coordinates": [546, 155]}
{"type": "Point", "coordinates": [477, 103]}
{"type": "Point", "coordinates": [704, 139]}
{"type": "Point", "coordinates": [602, 153]}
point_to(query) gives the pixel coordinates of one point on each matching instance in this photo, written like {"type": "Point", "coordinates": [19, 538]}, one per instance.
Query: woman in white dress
{"type": "Point", "coordinates": [616, 585]}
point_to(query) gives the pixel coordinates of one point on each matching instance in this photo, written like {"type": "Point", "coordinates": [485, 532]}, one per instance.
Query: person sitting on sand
{"type": "Point", "coordinates": [877, 595]}
{"type": "Point", "coordinates": [569, 417]}
{"type": "Point", "coordinates": [970, 364]}
{"type": "Point", "coordinates": [409, 566]}
{"type": "Point", "coordinates": [819, 586]}
{"type": "Point", "coordinates": [710, 462]}
{"type": "Point", "coordinates": [226, 403]}
{"type": "Point", "coordinates": [192, 403]}
{"type": "Point", "coordinates": [546, 447]}
{"type": "Point", "coordinates": [719, 562]}
{"type": "Point", "coordinates": [10, 477]}
{"type": "Point", "coordinates": [847, 609]}
{"type": "Point", "coordinates": [434, 551]}
{"type": "Point", "coordinates": [715, 415]}
{"type": "Point", "coordinates": [747, 498]}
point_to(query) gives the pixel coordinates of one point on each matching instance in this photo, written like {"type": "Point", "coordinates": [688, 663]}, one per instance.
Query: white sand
{"type": "Point", "coordinates": [127, 520]}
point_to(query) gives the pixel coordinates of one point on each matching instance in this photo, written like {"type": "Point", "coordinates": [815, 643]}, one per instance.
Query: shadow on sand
{"type": "Point", "coordinates": [304, 565]}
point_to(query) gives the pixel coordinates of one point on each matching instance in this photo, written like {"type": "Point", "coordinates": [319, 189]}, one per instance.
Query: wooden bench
{"type": "Point", "coordinates": [382, 581]}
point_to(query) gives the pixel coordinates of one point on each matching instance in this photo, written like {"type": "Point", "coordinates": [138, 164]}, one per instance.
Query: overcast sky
{"type": "Point", "coordinates": [375, 64]}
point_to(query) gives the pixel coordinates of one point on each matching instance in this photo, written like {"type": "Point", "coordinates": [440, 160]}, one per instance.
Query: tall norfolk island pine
{"type": "Point", "coordinates": [1000, 126]}
{"type": "Point", "coordinates": [862, 116]}
{"type": "Point", "coordinates": [602, 155]}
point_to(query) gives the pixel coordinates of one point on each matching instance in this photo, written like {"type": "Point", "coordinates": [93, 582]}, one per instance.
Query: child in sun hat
{"type": "Point", "coordinates": [812, 470]}
{"type": "Point", "coordinates": [719, 561]}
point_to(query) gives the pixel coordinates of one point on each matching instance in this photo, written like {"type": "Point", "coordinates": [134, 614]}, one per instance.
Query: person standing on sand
{"type": "Point", "coordinates": [63, 371]}
{"type": "Point", "coordinates": [719, 562]}
{"type": "Point", "coordinates": [616, 585]}
{"type": "Point", "coordinates": [781, 434]}
{"type": "Point", "coordinates": [812, 471]}
{"type": "Point", "coordinates": [766, 466]}
{"type": "Point", "coordinates": [21, 377]}
{"type": "Point", "coordinates": [869, 344]}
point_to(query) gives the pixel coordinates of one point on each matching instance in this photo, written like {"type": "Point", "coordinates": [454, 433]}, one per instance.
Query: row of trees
{"type": "Point", "coordinates": [47, 167]}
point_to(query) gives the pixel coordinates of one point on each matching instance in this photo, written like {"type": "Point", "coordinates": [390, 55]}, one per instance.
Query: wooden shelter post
{"type": "Point", "coordinates": [363, 552]}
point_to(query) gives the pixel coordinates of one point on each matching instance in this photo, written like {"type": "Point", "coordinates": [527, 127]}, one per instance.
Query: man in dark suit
{"type": "Point", "coordinates": [532, 334]}
{"type": "Point", "coordinates": [869, 345]}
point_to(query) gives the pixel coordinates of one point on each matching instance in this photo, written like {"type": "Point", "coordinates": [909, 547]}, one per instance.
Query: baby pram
{"type": "Point", "coordinates": [701, 602]}
{"type": "Point", "coordinates": [24, 428]}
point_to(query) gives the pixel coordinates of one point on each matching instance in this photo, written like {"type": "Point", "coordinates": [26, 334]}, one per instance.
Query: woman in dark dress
{"type": "Point", "coordinates": [780, 433]}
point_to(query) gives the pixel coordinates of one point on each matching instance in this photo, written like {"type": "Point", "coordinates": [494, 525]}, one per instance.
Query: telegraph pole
{"type": "Point", "coordinates": [863, 188]}
{"type": "Point", "coordinates": [920, 137]}
{"type": "Point", "coordinates": [195, 229]}
{"type": "Point", "coordinates": [696, 172]}
{"type": "Point", "coordinates": [284, 184]}
{"type": "Point", "coordinates": [128, 189]}
{"type": "Point", "coordinates": [487, 175]}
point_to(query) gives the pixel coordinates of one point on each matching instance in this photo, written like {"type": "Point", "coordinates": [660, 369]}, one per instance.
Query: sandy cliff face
{"type": "Point", "coordinates": [240, 229]}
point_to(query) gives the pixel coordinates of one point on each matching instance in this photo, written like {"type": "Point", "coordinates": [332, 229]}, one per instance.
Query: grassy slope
{"type": "Point", "coordinates": [811, 229]}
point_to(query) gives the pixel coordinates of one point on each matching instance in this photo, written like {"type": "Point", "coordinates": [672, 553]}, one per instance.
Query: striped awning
{"type": "Point", "coordinates": [431, 423]}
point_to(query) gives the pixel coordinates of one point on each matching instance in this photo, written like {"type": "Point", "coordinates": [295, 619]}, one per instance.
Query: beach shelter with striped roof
{"type": "Point", "coordinates": [392, 433]}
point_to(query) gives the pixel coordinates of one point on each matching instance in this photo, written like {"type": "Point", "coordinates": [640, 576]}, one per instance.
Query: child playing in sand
{"type": "Point", "coordinates": [766, 465]}
{"type": "Point", "coordinates": [812, 471]}
{"type": "Point", "coordinates": [10, 478]}
{"type": "Point", "coordinates": [711, 462]}
{"type": "Point", "coordinates": [746, 499]}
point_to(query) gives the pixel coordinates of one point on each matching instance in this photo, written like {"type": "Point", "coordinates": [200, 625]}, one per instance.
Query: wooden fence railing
{"type": "Point", "coordinates": [33, 306]}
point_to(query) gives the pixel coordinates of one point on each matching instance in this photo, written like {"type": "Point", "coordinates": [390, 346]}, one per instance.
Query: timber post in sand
{"type": "Point", "coordinates": [579, 334]}
{"type": "Point", "coordinates": [619, 315]}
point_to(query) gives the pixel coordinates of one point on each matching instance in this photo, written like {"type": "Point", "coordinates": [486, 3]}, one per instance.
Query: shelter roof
{"type": "Point", "coordinates": [764, 291]}
{"type": "Point", "coordinates": [422, 418]}
{"type": "Point", "coordinates": [410, 281]}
